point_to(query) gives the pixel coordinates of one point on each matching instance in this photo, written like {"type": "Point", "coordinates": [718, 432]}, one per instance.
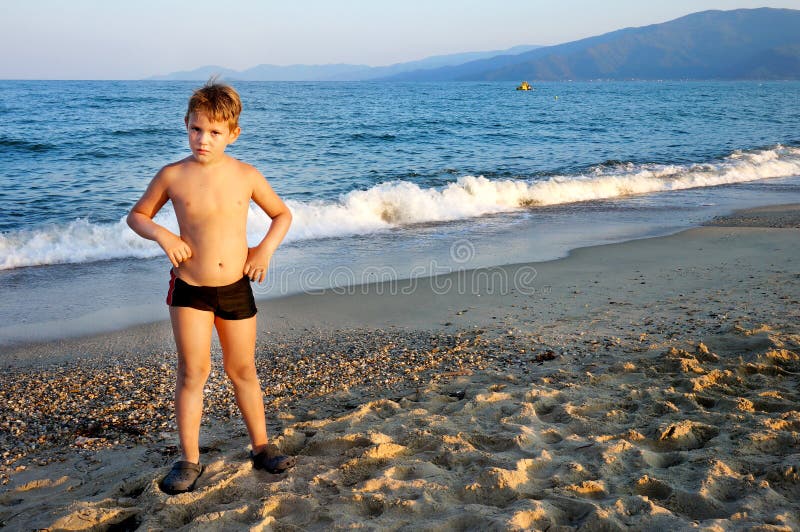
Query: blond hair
{"type": "Point", "coordinates": [219, 101]}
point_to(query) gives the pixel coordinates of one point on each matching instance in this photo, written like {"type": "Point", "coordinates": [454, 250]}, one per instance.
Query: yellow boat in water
{"type": "Point", "coordinates": [525, 86]}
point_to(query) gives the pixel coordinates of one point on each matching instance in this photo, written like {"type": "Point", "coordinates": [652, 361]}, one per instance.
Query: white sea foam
{"type": "Point", "coordinates": [399, 203]}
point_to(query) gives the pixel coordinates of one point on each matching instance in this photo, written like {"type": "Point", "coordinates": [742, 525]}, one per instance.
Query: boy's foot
{"type": "Point", "coordinates": [181, 478]}
{"type": "Point", "coordinates": [271, 460]}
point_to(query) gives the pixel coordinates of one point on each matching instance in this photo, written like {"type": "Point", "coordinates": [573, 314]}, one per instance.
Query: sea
{"type": "Point", "coordinates": [386, 181]}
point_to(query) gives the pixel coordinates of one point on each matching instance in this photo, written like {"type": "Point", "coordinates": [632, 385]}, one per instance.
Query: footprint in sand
{"type": "Point", "coordinates": [653, 488]}
{"type": "Point", "coordinates": [662, 460]}
{"type": "Point", "coordinates": [496, 442]}
{"type": "Point", "coordinates": [685, 435]}
{"type": "Point", "coordinates": [327, 445]}
{"type": "Point", "coordinates": [785, 479]}
{"type": "Point", "coordinates": [372, 460]}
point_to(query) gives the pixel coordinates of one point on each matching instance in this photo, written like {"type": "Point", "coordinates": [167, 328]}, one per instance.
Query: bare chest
{"type": "Point", "coordinates": [202, 198]}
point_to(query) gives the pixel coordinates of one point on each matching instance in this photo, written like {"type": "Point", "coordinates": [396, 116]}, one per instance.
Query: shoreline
{"type": "Point", "coordinates": [647, 384]}
{"type": "Point", "coordinates": [294, 310]}
{"type": "Point", "coordinates": [101, 298]}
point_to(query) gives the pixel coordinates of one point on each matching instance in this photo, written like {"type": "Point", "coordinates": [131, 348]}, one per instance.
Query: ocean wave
{"type": "Point", "coordinates": [372, 136]}
{"type": "Point", "coordinates": [147, 132]}
{"type": "Point", "coordinates": [399, 203]}
{"type": "Point", "coordinates": [117, 98]}
{"type": "Point", "coordinates": [24, 145]}
{"type": "Point", "coordinates": [76, 242]}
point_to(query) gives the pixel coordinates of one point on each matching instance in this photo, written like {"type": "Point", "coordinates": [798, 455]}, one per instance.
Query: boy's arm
{"type": "Point", "coordinates": [258, 257]}
{"type": "Point", "coordinates": [140, 219]}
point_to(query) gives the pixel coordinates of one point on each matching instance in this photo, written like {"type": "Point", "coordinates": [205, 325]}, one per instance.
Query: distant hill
{"type": "Point", "coordinates": [740, 44]}
{"type": "Point", "coordinates": [436, 61]}
{"type": "Point", "coordinates": [338, 72]}
{"type": "Point", "coordinates": [202, 73]}
{"type": "Point", "coordinates": [264, 73]}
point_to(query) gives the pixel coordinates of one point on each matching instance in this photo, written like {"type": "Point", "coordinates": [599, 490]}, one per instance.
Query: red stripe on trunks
{"type": "Point", "coordinates": [171, 287]}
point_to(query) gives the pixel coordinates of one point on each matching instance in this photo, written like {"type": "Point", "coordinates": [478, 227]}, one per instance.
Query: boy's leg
{"type": "Point", "coordinates": [238, 341]}
{"type": "Point", "coordinates": [192, 329]}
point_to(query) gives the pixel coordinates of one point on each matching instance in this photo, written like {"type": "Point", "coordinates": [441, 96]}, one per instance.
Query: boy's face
{"type": "Point", "coordinates": [209, 138]}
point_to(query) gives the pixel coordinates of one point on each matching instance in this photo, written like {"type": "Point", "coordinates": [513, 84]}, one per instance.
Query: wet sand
{"type": "Point", "coordinates": [651, 384]}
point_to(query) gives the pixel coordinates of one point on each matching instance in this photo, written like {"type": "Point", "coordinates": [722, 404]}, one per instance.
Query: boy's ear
{"type": "Point", "coordinates": [235, 134]}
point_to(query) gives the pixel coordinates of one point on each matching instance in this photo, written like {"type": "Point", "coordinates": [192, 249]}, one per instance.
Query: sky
{"type": "Point", "coordinates": [108, 39]}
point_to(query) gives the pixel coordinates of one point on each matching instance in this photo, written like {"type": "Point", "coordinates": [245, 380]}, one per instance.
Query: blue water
{"type": "Point", "coordinates": [372, 168]}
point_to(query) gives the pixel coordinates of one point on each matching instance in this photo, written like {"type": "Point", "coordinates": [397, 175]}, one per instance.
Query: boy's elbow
{"type": "Point", "coordinates": [133, 219]}
{"type": "Point", "coordinates": [285, 216]}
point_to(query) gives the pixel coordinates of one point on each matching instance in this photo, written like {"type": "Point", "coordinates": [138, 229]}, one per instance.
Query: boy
{"type": "Point", "coordinates": [211, 272]}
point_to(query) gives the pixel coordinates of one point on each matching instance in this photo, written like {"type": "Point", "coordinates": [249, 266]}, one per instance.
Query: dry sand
{"type": "Point", "coordinates": [652, 384]}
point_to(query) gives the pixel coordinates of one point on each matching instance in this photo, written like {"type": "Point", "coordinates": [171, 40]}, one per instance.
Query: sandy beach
{"type": "Point", "coordinates": [647, 385]}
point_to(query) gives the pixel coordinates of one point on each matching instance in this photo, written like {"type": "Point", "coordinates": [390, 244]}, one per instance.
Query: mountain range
{"type": "Point", "coordinates": [337, 72]}
{"type": "Point", "coordinates": [761, 43]}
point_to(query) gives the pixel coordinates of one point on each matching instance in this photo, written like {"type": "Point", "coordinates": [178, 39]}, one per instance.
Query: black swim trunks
{"type": "Point", "coordinates": [230, 302]}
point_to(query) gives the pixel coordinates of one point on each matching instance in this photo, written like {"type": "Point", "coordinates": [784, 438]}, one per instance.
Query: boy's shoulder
{"type": "Point", "coordinates": [174, 168]}
{"type": "Point", "coordinates": [243, 170]}
{"type": "Point", "coordinates": [241, 165]}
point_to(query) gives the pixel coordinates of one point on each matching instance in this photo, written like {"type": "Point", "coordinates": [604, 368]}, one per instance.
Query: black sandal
{"type": "Point", "coordinates": [181, 478]}
{"type": "Point", "coordinates": [272, 461]}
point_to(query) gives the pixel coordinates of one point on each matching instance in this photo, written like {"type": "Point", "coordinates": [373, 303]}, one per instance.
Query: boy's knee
{"type": "Point", "coordinates": [193, 374]}
{"type": "Point", "coordinates": [241, 372]}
